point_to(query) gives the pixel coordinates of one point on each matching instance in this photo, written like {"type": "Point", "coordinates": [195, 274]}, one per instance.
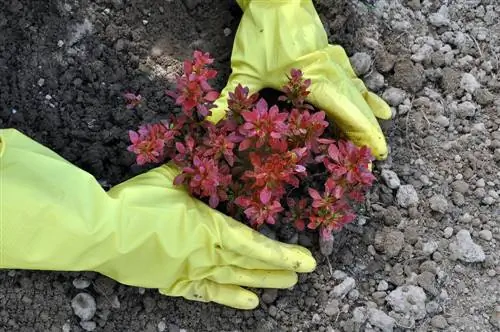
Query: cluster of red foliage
{"type": "Point", "coordinates": [263, 162]}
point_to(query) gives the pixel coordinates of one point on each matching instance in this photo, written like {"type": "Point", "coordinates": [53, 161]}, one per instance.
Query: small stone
{"type": "Point", "coordinates": [81, 283]}
{"type": "Point", "coordinates": [484, 97]}
{"type": "Point", "coordinates": [439, 322]}
{"type": "Point", "coordinates": [407, 196]}
{"type": "Point", "coordinates": [273, 311]}
{"type": "Point", "coordinates": [332, 309]}
{"type": "Point", "coordinates": [269, 295]}
{"type": "Point", "coordinates": [437, 256]}
{"type": "Point", "coordinates": [465, 218]}
{"type": "Point", "coordinates": [394, 96]}
{"type": "Point", "coordinates": [41, 82]}
{"type": "Point", "coordinates": [450, 81]}
{"type": "Point", "coordinates": [403, 109]}
{"type": "Point", "coordinates": [480, 183]}
{"type": "Point", "coordinates": [427, 281]}
{"type": "Point", "coordinates": [464, 248]}
{"type": "Point", "coordinates": [345, 287]}
{"type": "Point", "coordinates": [486, 235]}
{"type": "Point", "coordinates": [60, 43]}
{"type": "Point", "coordinates": [353, 295]}
{"type": "Point", "coordinates": [162, 326]}
{"type": "Point", "coordinates": [227, 32]}
{"type": "Point", "coordinates": [361, 63]}
{"type": "Point", "coordinates": [192, 4]}
{"type": "Point", "coordinates": [381, 320]}
{"type": "Point", "coordinates": [392, 216]}
{"type": "Point", "coordinates": [374, 81]}
{"type": "Point", "coordinates": [115, 302]}
{"type": "Point", "coordinates": [469, 83]}
{"type": "Point", "coordinates": [429, 266]}
{"type": "Point", "coordinates": [384, 62]}
{"type": "Point", "coordinates": [432, 307]}
{"type": "Point", "coordinates": [495, 317]}
{"type": "Point", "coordinates": [88, 326]}
{"type": "Point", "coordinates": [466, 110]}
{"type": "Point", "coordinates": [174, 328]}
{"type": "Point", "coordinates": [120, 44]}
{"type": "Point", "coordinates": [442, 121]}
{"type": "Point", "coordinates": [423, 54]}
{"type": "Point", "coordinates": [145, 22]}
{"type": "Point", "coordinates": [460, 186]}
{"type": "Point", "coordinates": [448, 232]}
{"type": "Point", "coordinates": [409, 76]}
{"type": "Point", "coordinates": [430, 247]}
{"type": "Point", "coordinates": [66, 327]}
{"type": "Point", "coordinates": [359, 315]}
{"type": "Point", "coordinates": [408, 299]}
{"type": "Point", "coordinates": [488, 200]}
{"type": "Point", "coordinates": [339, 275]}
{"type": "Point", "coordinates": [84, 306]}
{"type": "Point", "coordinates": [316, 318]}
{"type": "Point", "coordinates": [390, 243]}
{"type": "Point", "coordinates": [382, 286]}
{"type": "Point", "coordinates": [438, 203]}
{"type": "Point", "coordinates": [441, 18]}
{"type": "Point", "coordinates": [391, 179]}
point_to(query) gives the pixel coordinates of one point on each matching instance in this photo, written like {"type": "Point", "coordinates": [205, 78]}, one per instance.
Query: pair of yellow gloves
{"type": "Point", "coordinates": [146, 232]}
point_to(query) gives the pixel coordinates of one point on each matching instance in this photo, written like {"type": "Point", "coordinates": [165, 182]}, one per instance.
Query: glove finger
{"type": "Point", "coordinates": [226, 257]}
{"type": "Point", "coordinates": [349, 118]}
{"type": "Point", "coordinates": [247, 242]}
{"type": "Point", "coordinates": [378, 106]}
{"type": "Point", "coordinates": [339, 56]}
{"type": "Point", "coordinates": [338, 95]}
{"type": "Point", "coordinates": [253, 278]}
{"type": "Point", "coordinates": [210, 291]}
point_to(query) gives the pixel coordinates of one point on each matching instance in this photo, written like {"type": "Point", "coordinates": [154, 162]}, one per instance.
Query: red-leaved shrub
{"type": "Point", "coordinates": [262, 163]}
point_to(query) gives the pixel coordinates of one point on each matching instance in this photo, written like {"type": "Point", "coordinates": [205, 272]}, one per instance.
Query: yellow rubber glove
{"type": "Point", "coordinates": [144, 232]}
{"type": "Point", "coordinates": [275, 36]}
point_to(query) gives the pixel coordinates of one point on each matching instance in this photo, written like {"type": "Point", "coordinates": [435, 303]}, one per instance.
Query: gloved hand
{"type": "Point", "coordinates": [144, 232]}
{"type": "Point", "coordinates": [275, 36]}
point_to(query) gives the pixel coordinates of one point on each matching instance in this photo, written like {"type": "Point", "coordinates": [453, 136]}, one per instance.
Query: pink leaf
{"type": "Point", "coordinates": [314, 193]}
{"type": "Point", "coordinates": [245, 144]}
{"type": "Point", "coordinates": [211, 96]}
{"type": "Point", "coordinates": [179, 179]}
{"type": "Point", "coordinates": [265, 195]}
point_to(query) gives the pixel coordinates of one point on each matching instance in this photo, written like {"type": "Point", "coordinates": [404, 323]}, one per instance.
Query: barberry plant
{"type": "Point", "coordinates": [261, 164]}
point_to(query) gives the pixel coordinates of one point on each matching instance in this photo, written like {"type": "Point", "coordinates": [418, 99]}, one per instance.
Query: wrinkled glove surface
{"type": "Point", "coordinates": [144, 232]}
{"type": "Point", "coordinates": [275, 36]}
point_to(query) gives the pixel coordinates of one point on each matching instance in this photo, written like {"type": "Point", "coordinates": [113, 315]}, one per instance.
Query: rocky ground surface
{"type": "Point", "coordinates": [423, 257]}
